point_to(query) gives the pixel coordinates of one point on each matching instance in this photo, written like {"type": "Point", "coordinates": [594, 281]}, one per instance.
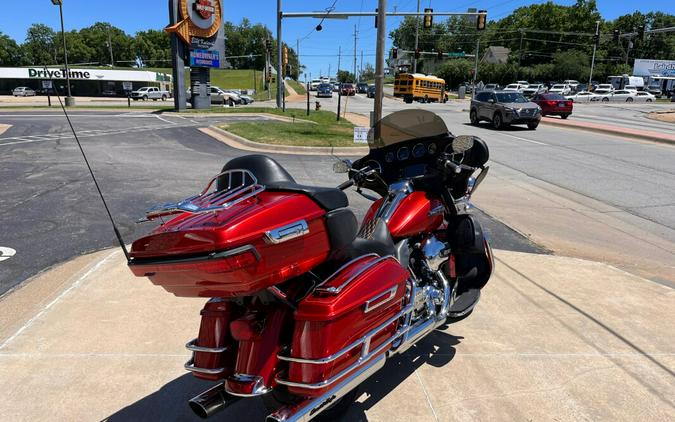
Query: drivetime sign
{"type": "Point", "coordinates": [204, 58]}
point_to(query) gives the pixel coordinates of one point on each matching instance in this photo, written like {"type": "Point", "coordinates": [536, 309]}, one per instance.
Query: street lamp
{"type": "Point", "coordinates": [70, 101]}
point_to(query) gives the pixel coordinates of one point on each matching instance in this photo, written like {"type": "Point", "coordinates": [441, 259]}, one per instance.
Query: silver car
{"type": "Point", "coordinates": [504, 108]}
{"type": "Point", "coordinates": [23, 91]}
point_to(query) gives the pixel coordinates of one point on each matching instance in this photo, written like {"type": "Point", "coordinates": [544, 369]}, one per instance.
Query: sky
{"type": "Point", "coordinates": [318, 50]}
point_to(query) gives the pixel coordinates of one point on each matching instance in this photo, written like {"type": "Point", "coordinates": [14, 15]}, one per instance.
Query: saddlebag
{"type": "Point", "coordinates": [350, 318]}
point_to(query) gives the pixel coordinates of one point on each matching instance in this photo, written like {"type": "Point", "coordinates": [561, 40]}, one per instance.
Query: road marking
{"type": "Point", "coordinates": [6, 253]}
{"type": "Point", "coordinates": [164, 120]}
{"type": "Point", "coordinates": [57, 299]}
{"type": "Point", "coordinates": [523, 139]}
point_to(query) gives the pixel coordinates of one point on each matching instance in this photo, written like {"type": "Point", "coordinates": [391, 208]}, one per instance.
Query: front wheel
{"type": "Point", "coordinates": [629, 100]}
{"type": "Point", "coordinates": [473, 116]}
{"type": "Point", "coordinates": [564, 116]}
{"type": "Point", "coordinates": [145, 98]}
{"type": "Point", "coordinates": [497, 122]}
{"type": "Point", "coordinates": [605, 100]}
{"type": "Point", "coordinates": [532, 125]}
{"type": "Point", "coordinates": [649, 100]}
{"type": "Point", "coordinates": [163, 97]}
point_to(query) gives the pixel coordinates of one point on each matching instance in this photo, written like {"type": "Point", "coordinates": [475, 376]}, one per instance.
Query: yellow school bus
{"type": "Point", "coordinates": [423, 88]}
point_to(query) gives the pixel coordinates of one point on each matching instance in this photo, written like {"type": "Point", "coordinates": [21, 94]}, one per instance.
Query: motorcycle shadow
{"type": "Point", "coordinates": [169, 403]}
{"type": "Point", "coordinates": [437, 350]}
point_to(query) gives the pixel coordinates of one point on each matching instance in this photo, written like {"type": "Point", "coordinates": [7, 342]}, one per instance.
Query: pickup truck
{"type": "Point", "coordinates": [149, 93]}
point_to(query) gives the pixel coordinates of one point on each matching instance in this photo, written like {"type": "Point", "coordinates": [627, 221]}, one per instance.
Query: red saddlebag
{"type": "Point", "coordinates": [348, 320]}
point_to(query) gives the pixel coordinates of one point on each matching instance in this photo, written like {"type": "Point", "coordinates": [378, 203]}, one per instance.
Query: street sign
{"type": "Point", "coordinates": [47, 85]}
{"type": "Point", "coordinates": [460, 54]}
{"type": "Point", "coordinates": [127, 86]}
{"type": "Point", "coordinates": [361, 135]}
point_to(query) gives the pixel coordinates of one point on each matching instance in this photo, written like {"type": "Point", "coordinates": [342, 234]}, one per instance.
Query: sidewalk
{"type": "Point", "coordinates": [613, 130]}
{"type": "Point", "coordinates": [553, 338]}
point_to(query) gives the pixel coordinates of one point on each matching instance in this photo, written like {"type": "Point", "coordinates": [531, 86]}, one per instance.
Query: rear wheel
{"type": "Point", "coordinates": [564, 116]}
{"type": "Point", "coordinates": [163, 97]}
{"type": "Point", "coordinates": [497, 122]}
{"type": "Point", "coordinates": [473, 116]}
{"type": "Point", "coordinates": [649, 100]}
{"type": "Point", "coordinates": [604, 100]}
{"type": "Point", "coordinates": [629, 100]}
{"type": "Point", "coordinates": [532, 125]}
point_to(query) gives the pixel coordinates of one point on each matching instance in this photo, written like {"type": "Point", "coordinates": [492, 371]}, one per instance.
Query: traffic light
{"type": "Point", "coordinates": [641, 32]}
{"type": "Point", "coordinates": [268, 45]}
{"type": "Point", "coordinates": [376, 11]}
{"type": "Point", "coordinates": [616, 34]}
{"type": "Point", "coordinates": [417, 53]}
{"type": "Point", "coordinates": [288, 69]}
{"type": "Point", "coordinates": [481, 20]}
{"type": "Point", "coordinates": [285, 55]}
{"type": "Point", "coordinates": [439, 54]}
{"type": "Point", "coordinates": [428, 18]}
{"type": "Point", "coordinates": [394, 53]}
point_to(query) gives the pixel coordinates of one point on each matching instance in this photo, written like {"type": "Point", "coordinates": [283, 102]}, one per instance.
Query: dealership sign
{"type": "Point", "coordinates": [645, 67]}
{"type": "Point", "coordinates": [200, 28]}
{"type": "Point", "coordinates": [58, 74]}
{"type": "Point", "coordinates": [204, 58]}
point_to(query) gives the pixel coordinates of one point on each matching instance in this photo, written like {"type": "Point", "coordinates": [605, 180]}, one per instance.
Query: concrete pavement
{"type": "Point", "coordinates": [553, 338]}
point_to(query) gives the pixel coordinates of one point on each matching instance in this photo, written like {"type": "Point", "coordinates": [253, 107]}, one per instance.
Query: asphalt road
{"type": "Point", "coordinates": [49, 208]}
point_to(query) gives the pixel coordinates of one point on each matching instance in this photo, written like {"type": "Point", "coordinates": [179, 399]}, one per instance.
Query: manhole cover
{"type": "Point", "coordinates": [6, 253]}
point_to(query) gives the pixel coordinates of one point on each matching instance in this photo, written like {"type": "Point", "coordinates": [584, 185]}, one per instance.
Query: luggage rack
{"type": "Point", "coordinates": [241, 185]}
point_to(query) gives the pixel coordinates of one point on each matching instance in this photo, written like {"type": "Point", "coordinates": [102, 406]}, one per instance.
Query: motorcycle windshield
{"type": "Point", "coordinates": [405, 125]}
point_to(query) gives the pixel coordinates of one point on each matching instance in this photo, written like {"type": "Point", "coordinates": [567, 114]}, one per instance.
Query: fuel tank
{"type": "Point", "coordinates": [236, 251]}
{"type": "Point", "coordinates": [418, 212]}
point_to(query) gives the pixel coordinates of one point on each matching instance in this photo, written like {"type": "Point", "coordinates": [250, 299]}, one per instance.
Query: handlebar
{"type": "Point", "coordinates": [447, 164]}
{"type": "Point", "coordinates": [349, 183]}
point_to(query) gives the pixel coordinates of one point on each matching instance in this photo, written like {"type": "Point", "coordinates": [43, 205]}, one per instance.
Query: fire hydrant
{"type": "Point", "coordinates": [317, 105]}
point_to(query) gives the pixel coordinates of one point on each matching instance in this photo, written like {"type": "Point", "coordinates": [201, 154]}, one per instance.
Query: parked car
{"type": "Point", "coordinates": [553, 104]}
{"type": "Point", "coordinates": [644, 96]}
{"type": "Point", "coordinates": [371, 91]}
{"type": "Point", "coordinates": [335, 86]}
{"type": "Point", "coordinates": [362, 88]}
{"type": "Point", "coordinates": [503, 108]}
{"type": "Point", "coordinates": [533, 90]}
{"type": "Point", "coordinates": [621, 96]}
{"type": "Point", "coordinates": [149, 93]}
{"type": "Point", "coordinates": [491, 87]}
{"type": "Point", "coordinates": [571, 83]}
{"type": "Point", "coordinates": [23, 91]}
{"type": "Point", "coordinates": [324, 90]}
{"type": "Point", "coordinates": [655, 90]}
{"type": "Point", "coordinates": [583, 97]}
{"type": "Point", "coordinates": [244, 99]}
{"type": "Point", "coordinates": [347, 89]}
{"type": "Point", "coordinates": [561, 89]}
{"type": "Point", "coordinates": [604, 87]}
{"type": "Point", "coordinates": [633, 88]}
{"type": "Point", "coordinates": [515, 87]}
{"type": "Point", "coordinates": [218, 97]}
{"type": "Point", "coordinates": [525, 83]}
{"type": "Point", "coordinates": [109, 93]}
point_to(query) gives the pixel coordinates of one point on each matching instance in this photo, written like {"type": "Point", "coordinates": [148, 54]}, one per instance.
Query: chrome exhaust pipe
{"type": "Point", "coordinates": [211, 401]}
{"type": "Point", "coordinates": [307, 409]}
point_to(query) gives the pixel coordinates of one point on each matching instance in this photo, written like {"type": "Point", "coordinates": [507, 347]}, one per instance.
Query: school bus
{"type": "Point", "coordinates": [423, 88]}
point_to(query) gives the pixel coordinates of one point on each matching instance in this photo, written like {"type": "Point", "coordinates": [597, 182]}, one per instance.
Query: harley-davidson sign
{"type": "Point", "coordinates": [198, 18]}
{"type": "Point", "coordinates": [204, 7]}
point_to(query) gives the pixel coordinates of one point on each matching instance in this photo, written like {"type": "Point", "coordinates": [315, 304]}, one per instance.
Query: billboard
{"type": "Point", "coordinates": [648, 67]}
{"type": "Point", "coordinates": [200, 28]}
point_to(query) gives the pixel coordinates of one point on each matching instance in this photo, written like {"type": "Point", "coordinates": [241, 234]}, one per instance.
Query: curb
{"type": "Point", "coordinates": [611, 131]}
{"type": "Point", "coordinates": [243, 114]}
{"type": "Point", "coordinates": [238, 142]}
{"type": "Point", "coordinates": [4, 127]}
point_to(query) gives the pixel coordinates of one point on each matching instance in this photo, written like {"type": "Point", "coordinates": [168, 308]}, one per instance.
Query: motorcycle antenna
{"type": "Point", "coordinates": [91, 171]}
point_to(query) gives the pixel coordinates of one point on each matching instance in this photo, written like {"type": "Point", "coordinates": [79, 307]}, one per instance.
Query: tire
{"type": "Point", "coordinates": [163, 97]}
{"type": "Point", "coordinates": [275, 399]}
{"type": "Point", "coordinates": [145, 98]}
{"type": "Point", "coordinates": [532, 125]}
{"type": "Point", "coordinates": [426, 98]}
{"type": "Point", "coordinates": [649, 100]}
{"type": "Point", "coordinates": [473, 116]}
{"type": "Point", "coordinates": [497, 121]}
{"type": "Point", "coordinates": [564, 116]}
{"type": "Point", "coordinates": [605, 100]}
{"type": "Point", "coordinates": [629, 99]}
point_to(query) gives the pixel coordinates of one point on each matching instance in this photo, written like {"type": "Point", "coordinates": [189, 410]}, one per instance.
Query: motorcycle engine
{"type": "Point", "coordinates": [425, 261]}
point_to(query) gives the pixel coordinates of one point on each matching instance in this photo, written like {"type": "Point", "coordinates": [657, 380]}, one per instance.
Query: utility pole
{"type": "Point", "coordinates": [280, 78]}
{"type": "Point", "coordinates": [339, 57]}
{"type": "Point", "coordinates": [520, 51]}
{"type": "Point", "coordinates": [297, 54]}
{"type": "Point", "coordinates": [112, 59]}
{"type": "Point", "coordinates": [379, 66]}
{"type": "Point", "coordinates": [355, 38]}
{"type": "Point", "coordinates": [595, 46]}
{"type": "Point", "coordinates": [475, 69]}
{"type": "Point", "coordinates": [361, 66]}
{"type": "Point", "coordinates": [417, 36]}
{"type": "Point", "coordinates": [70, 101]}
{"type": "Point", "coordinates": [328, 72]}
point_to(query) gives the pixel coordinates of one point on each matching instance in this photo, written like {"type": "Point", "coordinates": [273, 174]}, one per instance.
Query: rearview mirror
{"type": "Point", "coordinates": [462, 143]}
{"type": "Point", "coordinates": [342, 166]}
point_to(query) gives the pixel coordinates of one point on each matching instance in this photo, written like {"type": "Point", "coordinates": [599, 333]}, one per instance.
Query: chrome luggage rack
{"type": "Point", "coordinates": [241, 185]}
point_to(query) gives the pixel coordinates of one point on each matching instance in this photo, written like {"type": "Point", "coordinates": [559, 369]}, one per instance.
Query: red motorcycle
{"type": "Point", "coordinates": [305, 304]}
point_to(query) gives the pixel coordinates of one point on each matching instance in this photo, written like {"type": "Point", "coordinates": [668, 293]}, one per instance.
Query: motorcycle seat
{"type": "Point", "coordinates": [345, 244]}
{"type": "Point", "coordinates": [274, 177]}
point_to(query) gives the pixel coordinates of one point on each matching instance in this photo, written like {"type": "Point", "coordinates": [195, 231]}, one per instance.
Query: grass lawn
{"type": "Point", "coordinates": [297, 86]}
{"type": "Point", "coordinates": [324, 132]}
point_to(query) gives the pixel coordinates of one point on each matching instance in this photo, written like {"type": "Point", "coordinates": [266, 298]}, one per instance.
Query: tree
{"type": "Point", "coordinates": [10, 53]}
{"type": "Point", "coordinates": [368, 72]}
{"type": "Point", "coordinates": [96, 39]}
{"type": "Point", "coordinates": [153, 48]}
{"type": "Point", "coordinates": [78, 50]}
{"type": "Point", "coordinates": [39, 48]}
{"type": "Point", "coordinates": [345, 76]}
